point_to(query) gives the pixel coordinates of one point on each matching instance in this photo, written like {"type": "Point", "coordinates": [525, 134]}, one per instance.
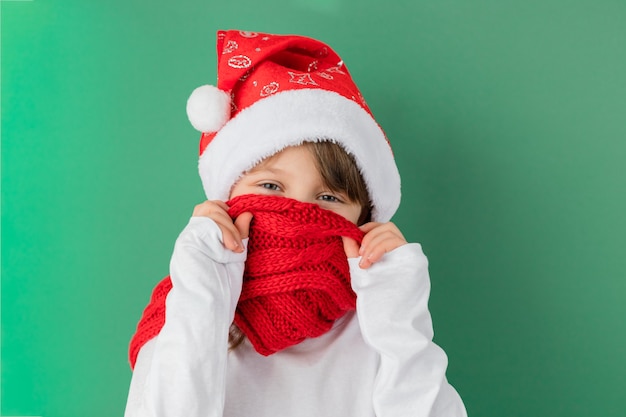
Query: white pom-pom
{"type": "Point", "coordinates": [208, 108]}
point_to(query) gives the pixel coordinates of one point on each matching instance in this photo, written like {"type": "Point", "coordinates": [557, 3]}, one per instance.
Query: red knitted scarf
{"type": "Point", "coordinates": [296, 281]}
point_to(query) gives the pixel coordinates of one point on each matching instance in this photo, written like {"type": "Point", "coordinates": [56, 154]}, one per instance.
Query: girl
{"type": "Point", "coordinates": [324, 318]}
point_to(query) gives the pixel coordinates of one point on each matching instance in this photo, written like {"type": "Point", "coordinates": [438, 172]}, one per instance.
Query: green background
{"type": "Point", "coordinates": [508, 121]}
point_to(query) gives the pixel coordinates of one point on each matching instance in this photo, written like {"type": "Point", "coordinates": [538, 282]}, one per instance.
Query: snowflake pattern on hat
{"type": "Point", "coordinates": [230, 46]}
{"type": "Point", "coordinates": [336, 69]}
{"type": "Point", "coordinates": [246, 34]}
{"type": "Point", "coordinates": [240, 61]}
{"type": "Point", "coordinates": [303, 79]}
{"type": "Point", "coordinates": [269, 89]}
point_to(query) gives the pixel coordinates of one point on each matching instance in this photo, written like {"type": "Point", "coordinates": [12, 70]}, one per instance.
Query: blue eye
{"type": "Point", "coordinates": [270, 186]}
{"type": "Point", "coordinates": [329, 198]}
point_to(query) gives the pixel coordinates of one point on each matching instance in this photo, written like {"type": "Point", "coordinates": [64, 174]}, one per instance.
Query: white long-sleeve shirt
{"type": "Point", "coordinates": [379, 361]}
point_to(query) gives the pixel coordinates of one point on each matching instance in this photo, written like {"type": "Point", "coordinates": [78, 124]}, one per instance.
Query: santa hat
{"type": "Point", "coordinates": [275, 91]}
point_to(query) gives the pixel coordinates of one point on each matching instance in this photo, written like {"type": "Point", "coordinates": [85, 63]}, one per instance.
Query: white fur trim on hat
{"type": "Point", "coordinates": [208, 108]}
{"type": "Point", "coordinates": [289, 118]}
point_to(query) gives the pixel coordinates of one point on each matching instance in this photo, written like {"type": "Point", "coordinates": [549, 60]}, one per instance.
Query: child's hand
{"type": "Point", "coordinates": [379, 239]}
{"type": "Point", "coordinates": [232, 232]}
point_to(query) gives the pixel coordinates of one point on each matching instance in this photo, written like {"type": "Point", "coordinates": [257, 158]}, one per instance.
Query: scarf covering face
{"type": "Point", "coordinates": [296, 281]}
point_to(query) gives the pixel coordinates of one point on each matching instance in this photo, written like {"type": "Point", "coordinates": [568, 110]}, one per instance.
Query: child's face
{"type": "Point", "coordinates": [292, 173]}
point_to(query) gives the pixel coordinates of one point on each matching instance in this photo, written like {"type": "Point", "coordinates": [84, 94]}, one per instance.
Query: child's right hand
{"type": "Point", "coordinates": [232, 232]}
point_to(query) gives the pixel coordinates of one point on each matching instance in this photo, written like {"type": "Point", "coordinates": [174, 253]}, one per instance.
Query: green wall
{"type": "Point", "coordinates": [508, 121]}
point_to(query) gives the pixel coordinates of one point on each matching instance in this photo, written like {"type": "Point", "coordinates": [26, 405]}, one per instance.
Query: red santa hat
{"type": "Point", "coordinates": [275, 91]}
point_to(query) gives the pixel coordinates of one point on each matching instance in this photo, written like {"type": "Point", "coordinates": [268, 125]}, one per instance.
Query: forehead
{"type": "Point", "coordinates": [291, 154]}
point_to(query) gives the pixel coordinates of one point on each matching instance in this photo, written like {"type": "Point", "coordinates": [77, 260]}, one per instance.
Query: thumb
{"type": "Point", "coordinates": [351, 247]}
{"type": "Point", "coordinates": [242, 223]}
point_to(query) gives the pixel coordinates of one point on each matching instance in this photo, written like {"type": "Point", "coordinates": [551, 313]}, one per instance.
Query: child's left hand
{"type": "Point", "coordinates": [379, 239]}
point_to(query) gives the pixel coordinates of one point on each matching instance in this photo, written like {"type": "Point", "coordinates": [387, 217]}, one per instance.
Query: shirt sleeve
{"type": "Point", "coordinates": [392, 308]}
{"type": "Point", "coordinates": [181, 372]}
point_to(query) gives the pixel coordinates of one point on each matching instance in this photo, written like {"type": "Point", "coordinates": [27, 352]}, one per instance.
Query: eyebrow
{"type": "Point", "coordinates": [260, 169]}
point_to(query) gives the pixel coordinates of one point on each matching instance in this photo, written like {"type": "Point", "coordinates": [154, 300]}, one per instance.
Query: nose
{"type": "Point", "coordinates": [303, 199]}
{"type": "Point", "coordinates": [303, 195]}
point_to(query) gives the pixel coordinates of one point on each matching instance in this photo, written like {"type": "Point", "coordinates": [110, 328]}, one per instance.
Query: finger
{"type": "Point", "coordinates": [369, 250]}
{"type": "Point", "coordinates": [217, 211]}
{"type": "Point", "coordinates": [351, 247]}
{"type": "Point", "coordinates": [368, 227]}
{"type": "Point", "coordinates": [208, 208]}
{"type": "Point", "coordinates": [375, 231]}
{"type": "Point", "coordinates": [231, 238]}
{"type": "Point", "coordinates": [371, 256]}
{"type": "Point", "coordinates": [369, 239]}
{"type": "Point", "coordinates": [221, 217]}
{"type": "Point", "coordinates": [379, 247]}
{"type": "Point", "coordinates": [220, 204]}
{"type": "Point", "coordinates": [371, 230]}
{"type": "Point", "coordinates": [374, 238]}
{"type": "Point", "coordinates": [242, 223]}
{"type": "Point", "coordinates": [378, 243]}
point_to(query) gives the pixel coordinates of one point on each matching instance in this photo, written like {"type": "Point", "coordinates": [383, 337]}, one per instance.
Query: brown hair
{"type": "Point", "coordinates": [340, 174]}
